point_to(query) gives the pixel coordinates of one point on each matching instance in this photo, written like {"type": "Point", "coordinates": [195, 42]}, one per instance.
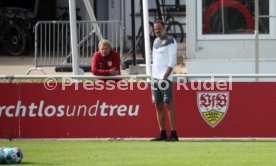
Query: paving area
{"type": "Point", "coordinates": [19, 65]}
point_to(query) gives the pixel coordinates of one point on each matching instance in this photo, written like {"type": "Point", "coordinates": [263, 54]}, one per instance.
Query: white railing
{"type": "Point", "coordinates": [52, 41]}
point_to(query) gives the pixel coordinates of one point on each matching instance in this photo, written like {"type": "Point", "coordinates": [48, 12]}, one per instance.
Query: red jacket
{"type": "Point", "coordinates": [101, 65]}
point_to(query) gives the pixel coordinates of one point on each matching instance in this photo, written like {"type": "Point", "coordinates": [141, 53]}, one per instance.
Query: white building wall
{"type": "Point", "coordinates": [227, 55]}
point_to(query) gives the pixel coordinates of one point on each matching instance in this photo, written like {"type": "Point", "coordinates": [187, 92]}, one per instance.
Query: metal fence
{"type": "Point", "coordinates": [52, 41]}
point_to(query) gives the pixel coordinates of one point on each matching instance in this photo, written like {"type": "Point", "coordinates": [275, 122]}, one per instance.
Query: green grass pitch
{"type": "Point", "coordinates": [145, 153]}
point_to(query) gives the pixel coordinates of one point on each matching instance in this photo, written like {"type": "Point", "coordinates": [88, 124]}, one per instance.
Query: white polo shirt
{"type": "Point", "coordinates": [164, 56]}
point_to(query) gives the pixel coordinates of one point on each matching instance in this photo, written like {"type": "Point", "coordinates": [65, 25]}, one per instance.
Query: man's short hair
{"type": "Point", "coordinates": [158, 21]}
{"type": "Point", "coordinates": [105, 43]}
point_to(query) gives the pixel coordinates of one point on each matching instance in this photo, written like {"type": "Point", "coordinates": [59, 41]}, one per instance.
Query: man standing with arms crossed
{"type": "Point", "coordinates": [164, 59]}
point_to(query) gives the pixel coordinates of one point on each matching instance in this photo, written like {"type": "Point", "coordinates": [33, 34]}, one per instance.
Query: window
{"type": "Point", "coordinates": [232, 17]}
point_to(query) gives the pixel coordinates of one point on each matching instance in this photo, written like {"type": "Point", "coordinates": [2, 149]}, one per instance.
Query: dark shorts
{"type": "Point", "coordinates": [162, 91]}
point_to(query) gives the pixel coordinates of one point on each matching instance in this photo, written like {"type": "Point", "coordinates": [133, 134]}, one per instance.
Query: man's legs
{"type": "Point", "coordinates": [172, 119]}
{"type": "Point", "coordinates": [160, 112]}
{"type": "Point", "coordinates": [171, 113]}
{"type": "Point", "coordinates": [160, 115]}
{"type": "Point", "coordinates": [164, 98]}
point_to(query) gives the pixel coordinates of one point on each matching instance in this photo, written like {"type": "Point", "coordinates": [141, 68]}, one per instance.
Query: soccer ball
{"type": "Point", "coordinates": [12, 155]}
{"type": "Point", "coordinates": [2, 155]}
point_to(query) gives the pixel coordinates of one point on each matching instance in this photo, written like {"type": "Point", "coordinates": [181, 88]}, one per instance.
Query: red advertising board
{"type": "Point", "coordinates": [29, 110]}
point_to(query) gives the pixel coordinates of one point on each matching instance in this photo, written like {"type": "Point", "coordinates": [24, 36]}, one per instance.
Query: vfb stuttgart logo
{"type": "Point", "coordinates": [213, 106]}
